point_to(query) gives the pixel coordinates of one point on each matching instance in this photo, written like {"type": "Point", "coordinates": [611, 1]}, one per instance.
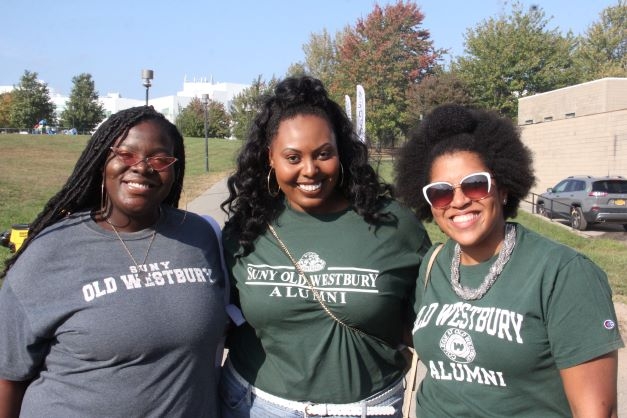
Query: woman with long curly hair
{"type": "Point", "coordinates": [114, 306]}
{"type": "Point", "coordinates": [324, 263]}
{"type": "Point", "coordinates": [509, 323]}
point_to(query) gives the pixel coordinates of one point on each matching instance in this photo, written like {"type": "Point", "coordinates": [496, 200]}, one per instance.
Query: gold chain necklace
{"type": "Point", "coordinates": [315, 292]}
{"type": "Point", "coordinates": [140, 273]}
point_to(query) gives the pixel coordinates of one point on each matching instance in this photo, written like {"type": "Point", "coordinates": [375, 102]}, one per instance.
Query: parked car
{"type": "Point", "coordinates": [586, 200]}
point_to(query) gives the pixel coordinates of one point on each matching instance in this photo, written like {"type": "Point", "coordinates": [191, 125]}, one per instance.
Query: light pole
{"type": "Point", "coordinates": [147, 76]}
{"type": "Point", "coordinates": [205, 102]}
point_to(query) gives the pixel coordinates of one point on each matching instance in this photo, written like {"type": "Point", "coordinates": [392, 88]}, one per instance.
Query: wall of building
{"type": "Point", "coordinates": [576, 130]}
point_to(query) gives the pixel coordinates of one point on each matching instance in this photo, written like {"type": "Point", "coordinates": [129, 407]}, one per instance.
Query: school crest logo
{"type": "Point", "coordinates": [311, 262]}
{"type": "Point", "coordinates": [458, 346]}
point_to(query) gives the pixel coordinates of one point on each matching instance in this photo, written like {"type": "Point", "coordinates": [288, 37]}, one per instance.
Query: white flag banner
{"type": "Point", "coordinates": [347, 107]}
{"type": "Point", "coordinates": [360, 114]}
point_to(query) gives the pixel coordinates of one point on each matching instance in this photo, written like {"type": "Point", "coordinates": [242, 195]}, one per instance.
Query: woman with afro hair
{"type": "Point", "coordinates": [324, 264]}
{"type": "Point", "coordinates": [509, 323]}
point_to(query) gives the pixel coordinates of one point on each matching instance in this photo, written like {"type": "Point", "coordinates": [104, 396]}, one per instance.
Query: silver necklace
{"type": "Point", "coordinates": [467, 293]}
{"type": "Point", "coordinates": [140, 273]}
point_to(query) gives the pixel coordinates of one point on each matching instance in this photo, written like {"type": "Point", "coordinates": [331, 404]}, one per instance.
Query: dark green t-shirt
{"type": "Point", "coordinates": [551, 308]}
{"type": "Point", "coordinates": [366, 275]}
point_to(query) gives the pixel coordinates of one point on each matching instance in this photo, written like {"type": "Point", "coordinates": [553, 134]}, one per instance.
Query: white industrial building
{"type": "Point", "coordinates": [170, 106]}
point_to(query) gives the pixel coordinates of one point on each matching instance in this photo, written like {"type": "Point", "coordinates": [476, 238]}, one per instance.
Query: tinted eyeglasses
{"type": "Point", "coordinates": [475, 186]}
{"type": "Point", "coordinates": [157, 163]}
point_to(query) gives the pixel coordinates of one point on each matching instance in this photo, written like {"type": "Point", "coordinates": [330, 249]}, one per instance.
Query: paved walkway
{"type": "Point", "coordinates": [209, 204]}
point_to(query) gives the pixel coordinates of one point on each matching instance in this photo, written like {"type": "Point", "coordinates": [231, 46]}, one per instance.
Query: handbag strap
{"type": "Point", "coordinates": [410, 388]}
{"type": "Point", "coordinates": [318, 297]}
{"type": "Point", "coordinates": [311, 286]}
{"type": "Point", "coordinates": [408, 398]}
{"type": "Point", "coordinates": [434, 254]}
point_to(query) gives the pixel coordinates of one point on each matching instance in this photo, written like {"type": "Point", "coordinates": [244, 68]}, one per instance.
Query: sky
{"type": "Point", "coordinates": [231, 41]}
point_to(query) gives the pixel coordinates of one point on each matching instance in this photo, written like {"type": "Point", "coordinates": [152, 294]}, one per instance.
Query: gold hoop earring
{"type": "Point", "coordinates": [341, 175]}
{"type": "Point", "coordinates": [278, 190]}
{"type": "Point", "coordinates": [185, 200]}
{"type": "Point", "coordinates": [103, 198]}
{"type": "Point", "coordinates": [183, 197]}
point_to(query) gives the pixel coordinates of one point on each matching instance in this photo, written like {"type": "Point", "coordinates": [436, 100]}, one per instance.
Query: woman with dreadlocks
{"type": "Point", "coordinates": [323, 260]}
{"type": "Point", "coordinates": [114, 304]}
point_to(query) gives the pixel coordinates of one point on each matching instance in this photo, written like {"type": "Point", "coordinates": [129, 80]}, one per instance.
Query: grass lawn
{"type": "Point", "coordinates": [35, 166]}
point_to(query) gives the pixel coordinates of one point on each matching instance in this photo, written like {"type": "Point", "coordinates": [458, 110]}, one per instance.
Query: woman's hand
{"type": "Point", "coordinates": [11, 394]}
{"type": "Point", "coordinates": [591, 387]}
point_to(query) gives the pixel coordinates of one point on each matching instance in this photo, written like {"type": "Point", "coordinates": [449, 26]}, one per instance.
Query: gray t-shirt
{"type": "Point", "coordinates": [98, 339]}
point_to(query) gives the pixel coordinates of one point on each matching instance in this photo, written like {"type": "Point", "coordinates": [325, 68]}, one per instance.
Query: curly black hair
{"type": "Point", "coordinates": [82, 190]}
{"type": "Point", "coordinates": [250, 206]}
{"type": "Point", "coordinates": [450, 128]}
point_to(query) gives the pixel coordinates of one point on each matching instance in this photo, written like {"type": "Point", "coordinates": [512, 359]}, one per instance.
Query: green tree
{"type": "Point", "coordinates": [191, 120]}
{"type": "Point", "coordinates": [515, 55]}
{"type": "Point", "coordinates": [434, 90]}
{"type": "Point", "coordinates": [219, 121]}
{"type": "Point", "coordinates": [5, 110]}
{"type": "Point", "coordinates": [386, 53]}
{"type": "Point", "coordinates": [31, 102]}
{"type": "Point", "coordinates": [83, 111]}
{"type": "Point", "coordinates": [321, 56]}
{"type": "Point", "coordinates": [296, 70]}
{"type": "Point", "coordinates": [247, 104]}
{"type": "Point", "coordinates": [602, 52]}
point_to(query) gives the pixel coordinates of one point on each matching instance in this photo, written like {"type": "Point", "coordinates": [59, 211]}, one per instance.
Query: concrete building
{"type": "Point", "coordinates": [171, 106]}
{"type": "Point", "coordinates": [576, 130]}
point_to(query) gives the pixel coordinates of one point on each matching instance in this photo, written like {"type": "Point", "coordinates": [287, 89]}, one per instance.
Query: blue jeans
{"type": "Point", "coordinates": [238, 401]}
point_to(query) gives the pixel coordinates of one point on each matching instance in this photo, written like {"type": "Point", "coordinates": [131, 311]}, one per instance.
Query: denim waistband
{"type": "Point", "coordinates": [320, 409]}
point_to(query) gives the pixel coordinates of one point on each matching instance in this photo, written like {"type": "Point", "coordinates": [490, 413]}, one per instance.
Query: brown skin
{"type": "Point", "coordinates": [591, 387]}
{"type": "Point", "coordinates": [11, 394]}
{"type": "Point", "coordinates": [478, 226]}
{"type": "Point", "coordinates": [136, 192]}
{"type": "Point", "coordinates": [305, 158]}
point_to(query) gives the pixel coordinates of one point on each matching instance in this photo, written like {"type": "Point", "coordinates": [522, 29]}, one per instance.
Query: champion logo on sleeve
{"type": "Point", "coordinates": [609, 324]}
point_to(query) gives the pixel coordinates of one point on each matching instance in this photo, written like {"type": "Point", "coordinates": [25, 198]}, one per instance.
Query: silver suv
{"type": "Point", "coordinates": [586, 200]}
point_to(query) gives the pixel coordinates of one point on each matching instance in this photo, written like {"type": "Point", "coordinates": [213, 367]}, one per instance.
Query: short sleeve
{"type": "Point", "coordinates": [581, 319]}
{"type": "Point", "coordinates": [21, 352]}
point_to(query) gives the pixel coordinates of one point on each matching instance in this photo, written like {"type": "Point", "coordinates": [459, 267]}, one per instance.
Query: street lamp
{"type": "Point", "coordinates": [205, 102]}
{"type": "Point", "coordinates": [147, 76]}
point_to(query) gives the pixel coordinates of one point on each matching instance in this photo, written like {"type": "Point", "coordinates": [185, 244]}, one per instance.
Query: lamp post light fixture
{"type": "Point", "coordinates": [205, 102]}
{"type": "Point", "coordinates": [147, 76]}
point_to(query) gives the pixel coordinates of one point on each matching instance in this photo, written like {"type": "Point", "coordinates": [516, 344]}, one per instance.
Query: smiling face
{"type": "Point", "coordinates": [136, 192]}
{"type": "Point", "coordinates": [477, 225]}
{"type": "Point", "coordinates": [305, 158]}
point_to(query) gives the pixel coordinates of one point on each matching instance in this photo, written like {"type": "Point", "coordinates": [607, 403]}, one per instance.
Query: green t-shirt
{"type": "Point", "coordinates": [366, 275]}
{"type": "Point", "coordinates": [551, 308]}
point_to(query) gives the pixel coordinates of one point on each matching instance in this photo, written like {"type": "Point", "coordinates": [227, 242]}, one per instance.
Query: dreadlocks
{"type": "Point", "coordinates": [82, 190]}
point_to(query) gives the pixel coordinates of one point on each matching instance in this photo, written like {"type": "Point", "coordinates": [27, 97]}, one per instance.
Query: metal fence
{"type": "Point", "coordinates": [550, 208]}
